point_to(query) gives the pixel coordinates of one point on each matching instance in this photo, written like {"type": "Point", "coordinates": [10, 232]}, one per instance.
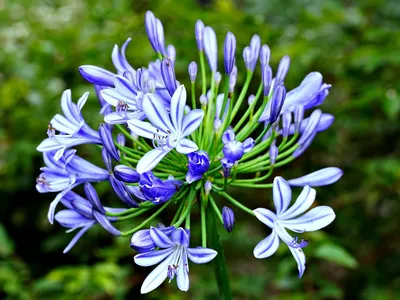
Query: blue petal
{"type": "Point", "coordinates": [156, 113]}
{"type": "Point", "coordinates": [315, 219]}
{"type": "Point", "coordinates": [53, 204]}
{"type": "Point", "coordinates": [105, 223]}
{"type": "Point", "coordinates": [113, 97]}
{"type": "Point", "coordinates": [152, 257]}
{"type": "Point", "coordinates": [267, 246]}
{"type": "Point", "coordinates": [178, 102]}
{"type": "Point", "coordinates": [201, 255]}
{"type": "Point", "coordinates": [70, 109]}
{"type": "Point", "coordinates": [228, 136]}
{"type": "Point", "coordinates": [211, 48]}
{"type": "Point", "coordinates": [300, 258]}
{"type": "Point", "coordinates": [266, 216]}
{"type": "Point", "coordinates": [179, 236]}
{"type": "Point", "coordinates": [192, 121]}
{"type": "Point", "coordinates": [151, 159]}
{"type": "Point", "coordinates": [282, 194]}
{"type": "Point", "coordinates": [182, 277]}
{"type": "Point", "coordinates": [125, 87]}
{"type": "Point", "coordinates": [303, 202]}
{"type": "Point", "coordinates": [159, 238]}
{"type": "Point", "coordinates": [116, 118]}
{"type": "Point", "coordinates": [157, 276]}
{"type": "Point", "coordinates": [70, 218]}
{"type": "Point", "coordinates": [77, 237]}
{"type": "Point", "coordinates": [321, 177]}
{"type": "Point", "coordinates": [186, 146]}
{"type": "Point", "coordinates": [97, 75]}
{"type": "Point", "coordinates": [144, 129]}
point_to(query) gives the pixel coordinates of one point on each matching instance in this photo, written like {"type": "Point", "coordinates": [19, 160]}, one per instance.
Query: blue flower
{"type": "Point", "coordinates": [81, 214]}
{"type": "Point", "coordinates": [64, 174]}
{"type": "Point", "coordinates": [291, 218]}
{"type": "Point", "coordinates": [233, 150]}
{"type": "Point", "coordinates": [142, 242]}
{"type": "Point", "coordinates": [321, 177]}
{"type": "Point", "coordinates": [166, 131]}
{"type": "Point", "coordinates": [199, 163]}
{"type": "Point", "coordinates": [72, 128]}
{"type": "Point", "coordinates": [172, 259]}
{"type": "Point", "coordinates": [152, 188]}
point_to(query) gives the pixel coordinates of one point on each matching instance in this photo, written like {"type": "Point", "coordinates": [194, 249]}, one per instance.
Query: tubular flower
{"type": "Point", "coordinates": [173, 259]}
{"type": "Point", "coordinates": [292, 218]}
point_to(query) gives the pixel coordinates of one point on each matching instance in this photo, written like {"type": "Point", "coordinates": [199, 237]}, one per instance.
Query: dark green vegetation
{"type": "Point", "coordinates": [356, 48]}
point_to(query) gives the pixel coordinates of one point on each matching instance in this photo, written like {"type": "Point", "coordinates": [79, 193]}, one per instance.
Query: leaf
{"type": "Point", "coordinates": [6, 244]}
{"type": "Point", "coordinates": [336, 254]}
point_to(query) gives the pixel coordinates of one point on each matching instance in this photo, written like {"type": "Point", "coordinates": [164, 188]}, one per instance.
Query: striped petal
{"type": "Point", "coordinates": [152, 258]}
{"type": "Point", "coordinates": [303, 202]}
{"type": "Point", "coordinates": [315, 219]}
{"type": "Point", "coordinates": [192, 121]}
{"type": "Point", "coordinates": [150, 160]}
{"type": "Point", "coordinates": [156, 113]}
{"type": "Point", "coordinates": [78, 236]}
{"type": "Point", "coordinates": [300, 258]}
{"type": "Point", "coordinates": [178, 102]}
{"type": "Point", "coordinates": [144, 129]}
{"type": "Point", "coordinates": [157, 276]}
{"type": "Point", "coordinates": [186, 146]}
{"type": "Point", "coordinates": [159, 238]}
{"type": "Point", "coordinates": [182, 277]}
{"type": "Point", "coordinates": [321, 177]}
{"type": "Point", "coordinates": [201, 255]}
{"type": "Point", "coordinates": [282, 194]}
{"type": "Point", "coordinates": [267, 246]}
{"type": "Point", "coordinates": [266, 216]}
{"type": "Point", "coordinates": [113, 96]}
{"type": "Point", "coordinates": [124, 86]}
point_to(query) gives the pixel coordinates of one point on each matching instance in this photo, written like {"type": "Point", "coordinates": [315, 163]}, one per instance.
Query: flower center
{"type": "Point", "coordinates": [169, 140]}
{"type": "Point", "coordinates": [122, 107]}
{"type": "Point", "coordinates": [176, 260]}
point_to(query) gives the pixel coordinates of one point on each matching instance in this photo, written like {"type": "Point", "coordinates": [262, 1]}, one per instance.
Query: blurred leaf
{"type": "Point", "coordinates": [335, 253]}
{"type": "Point", "coordinates": [6, 244]}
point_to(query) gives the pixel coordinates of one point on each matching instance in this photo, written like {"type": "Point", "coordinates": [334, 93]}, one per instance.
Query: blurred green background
{"type": "Point", "coordinates": [354, 44]}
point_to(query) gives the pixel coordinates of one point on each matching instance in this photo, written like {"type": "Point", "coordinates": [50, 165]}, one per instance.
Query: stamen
{"type": "Point", "coordinates": [303, 243]}
{"type": "Point", "coordinates": [41, 180]}
{"type": "Point", "coordinates": [122, 107]}
{"type": "Point", "coordinates": [51, 132]}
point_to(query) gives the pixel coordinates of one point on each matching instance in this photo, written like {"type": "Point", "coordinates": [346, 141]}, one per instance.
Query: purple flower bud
{"type": "Point", "coordinates": [265, 55]}
{"type": "Point", "coordinates": [248, 58]}
{"type": "Point", "coordinates": [207, 187]}
{"type": "Point", "coordinates": [217, 78]}
{"type": "Point", "coordinates": [96, 75]}
{"type": "Point", "coordinates": [286, 121]}
{"type": "Point", "coordinates": [234, 71]}
{"type": "Point", "coordinates": [266, 79]}
{"type": "Point", "coordinates": [311, 128]}
{"type": "Point", "coordinates": [142, 242]}
{"type": "Point", "coordinates": [105, 223]}
{"type": "Point", "coordinates": [211, 48]}
{"type": "Point", "coordinates": [121, 139]}
{"type": "Point", "coordinates": [122, 192]}
{"type": "Point", "coordinates": [168, 75]}
{"type": "Point", "coordinates": [282, 69]}
{"type": "Point", "coordinates": [92, 196]}
{"type": "Point", "coordinates": [160, 37]}
{"type": "Point", "coordinates": [199, 33]}
{"type": "Point", "coordinates": [126, 174]}
{"type": "Point", "coordinates": [217, 124]}
{"type": "Point", "coordinates": [156, 190]}
{"type": "Point", "coordinates": [228, 218]}
{"type": "Point", "coordinates": [192, 71]}
{"type": "Point", "coordinates": [250, 100]}
{"type": "Point", "coordinates": [198, 164]}
{"type": "Point", "coordinates": [255, 45]}
{"type": "Point", "coordinates": [232, 83]}
{"type": "Point", "coordinates": [171, 53]}
{"type": "Point", "coordinates": [298, 116]}
{"type": "Point", "coordinates": [229, 52]}
{"type": "Point", "coordinates": [203, 100]}
{"type": "Point", "coordinates": [321, 177]}
{"type": "Point", "coordinates": [106, 159]}
{"type": "Point", "coordinates": [226, 166]}
{"type": "Point", "coordinates": [277, 102]}
{"type": "Point", "coordinates": [107, 141]}
{"type": "Point", "coordinates": [273, 153]}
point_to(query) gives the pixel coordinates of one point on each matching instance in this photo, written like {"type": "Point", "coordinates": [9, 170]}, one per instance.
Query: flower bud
{"type": "Point", "coordinates": [108, 142]}
{"type": "Point", "coordinates": [106, 159]}
{"type": "Point", "coordinates": [168, 75]}
{"type": "Point", "coordinates": [126, 174]}
{"type": "Point", "coordinates": [247, 57]}
{"type": "Point", "coordinates": [217, 124]}
{"type": "Point", "coordinates": [171, 52]}
{"type": "Point", "coordinates": [198, 164]}
{"type": "Point", "coordinates": [203, 100]}
{"type": "Point", "coordinates": [273, 153]}
{"type": "Point", "coordinates": [121, 139]}
{"type": "Point", "coordinates": [286, 121]}
{"type": "Point", "coordinates": [122, 192]}
{"type": "Point", "coordinates": [311, 128]}
{"type": "Point", "coordinates": [255, 45]}
{"type": "Point", "coordinates": [226, 166]}
{"type": "Point", "coordinates": [277, 102]}
{"type": "Point", "coordinates": [265, 55]}
{"type": "Point", "coordinates": [250, 100]}
{"type": "Point", "coordinates": [232, 83]}
{"type": "Point", "coordinates": [298, 116]}
{"type": "Point", "coordinates": [217, 78]}
{"type": "Point", "coordinates": [228, 218]}
{"type": "Point", "coordinates": [211, 48]}
{"type": "Point", "coordinates": [283, 68]}
{"type": "Point", "coordinates": [199, 33]}
{"type": "Point", "coordinates": [93, 198]}
{"type": "Point", "coordinates": [207, 187]}
{"type": "Point", "coordinates": [192, 71]}
{"type": "Point", "coordinates": [266, 79]}
{"type": "Point", "coordinates": [229, 52]}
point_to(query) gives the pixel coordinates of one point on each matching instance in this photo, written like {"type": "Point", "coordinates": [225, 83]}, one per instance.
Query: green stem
{"type": "Point", "coordinates": [235, 202]}
{"type": "Point", "coordinates": [219, 263]}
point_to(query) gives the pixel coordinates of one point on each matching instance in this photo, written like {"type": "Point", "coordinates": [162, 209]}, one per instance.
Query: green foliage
{"type": "Point", "coordinates": [355, 45]}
